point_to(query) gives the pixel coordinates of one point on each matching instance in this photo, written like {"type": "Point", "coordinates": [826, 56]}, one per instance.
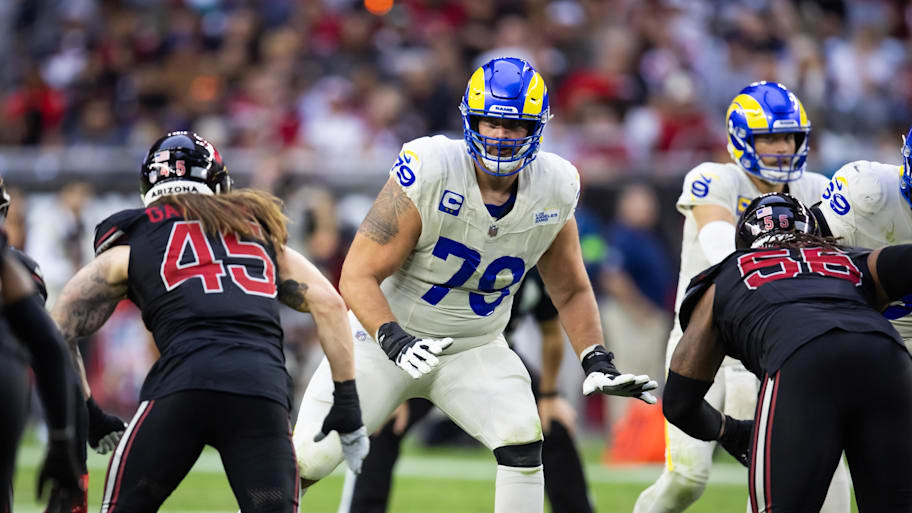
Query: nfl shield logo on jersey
{"type": "Point", "coordinates": [492, 231]}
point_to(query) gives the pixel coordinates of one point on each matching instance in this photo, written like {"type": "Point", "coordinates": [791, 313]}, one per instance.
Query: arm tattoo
{"type": "Point", "coordinates": [292, 294]}
{"type": "Point", "coordinates": [382, 222]}
{"type": "Point", "coordinates": [85, 305]}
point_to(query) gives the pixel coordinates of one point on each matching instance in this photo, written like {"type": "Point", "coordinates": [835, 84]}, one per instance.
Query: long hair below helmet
{"type": "Point", "coordinates": [246, 212]}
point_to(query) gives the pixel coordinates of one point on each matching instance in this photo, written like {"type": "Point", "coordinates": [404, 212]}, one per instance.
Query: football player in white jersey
{"type": "Point", "coordinates": [869, 204]}
{"type": "Point", "coordinates": [430, 276]}
{"type": "Point", "coordinates": [768, 132]}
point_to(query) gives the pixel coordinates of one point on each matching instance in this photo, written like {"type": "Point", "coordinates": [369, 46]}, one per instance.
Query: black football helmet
{"type": "Point", "coordinates": [4, 200]}
{"type": "Point", "coordinates": [180, 163]}
{"type": "Point", "coordinates": [771, 214]}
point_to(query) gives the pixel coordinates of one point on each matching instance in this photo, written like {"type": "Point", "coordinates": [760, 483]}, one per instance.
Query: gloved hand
{"type": "Point", "coordinates": [345, 418]}
{"type": "Point", "coordinates": [105, 430]}
{"type": "Point", "coordinates": [736, 439]}
{"type": "Point", "coordinates": [602, 375]}
{"type": "Point", "coordinates": [61, 468]}
{"type": "Point", "coordinates": [414, 355]}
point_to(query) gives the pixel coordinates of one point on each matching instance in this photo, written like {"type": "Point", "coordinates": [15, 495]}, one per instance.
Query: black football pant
{"type": "Point", "coordinates": [167, 435]}
{"type": "Point", "coordinates": [565, 482]}
{"type": "Point", "coordinates": [14, 390]}
{"type": "Point", "coordinates": [840, 392]}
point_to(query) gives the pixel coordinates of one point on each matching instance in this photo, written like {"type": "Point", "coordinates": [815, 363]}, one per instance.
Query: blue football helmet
{"type": "Point", "coordinates": [505, 87]}
{"type": "Point", "coordinates": [905, 177]}
{"type": "Point", "coordinates": [767, 108]}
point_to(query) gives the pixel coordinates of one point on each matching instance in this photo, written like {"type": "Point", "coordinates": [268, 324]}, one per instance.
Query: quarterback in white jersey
{"type": "Point", "coordinates": [768, 141]}
{"type": "Point", "coordinates": [868, 204]}
{"type": "Point", "coordinates": [430, 276]}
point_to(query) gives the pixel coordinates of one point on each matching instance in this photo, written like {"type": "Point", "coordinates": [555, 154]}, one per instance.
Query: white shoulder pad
{"type": "Point", "coordinates": [418, 168]}
{"type": "Point", "coordinates": [563, 179]}
{"type": "Point", "coordinates": [710, 183]}
{"type": "Point", "coordinates": [863, 184]}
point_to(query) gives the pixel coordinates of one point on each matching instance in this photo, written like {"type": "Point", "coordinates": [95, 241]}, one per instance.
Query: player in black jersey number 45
{"type": "Point", "coordinates": [208, 266]}
{"type": "Point", "coordinates": [801, 313]}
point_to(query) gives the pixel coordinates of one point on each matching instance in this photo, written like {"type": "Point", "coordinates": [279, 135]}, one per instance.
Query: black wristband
{"type": "Point", "coordinates": [95, 411]}
{"type": "Point", "coordinates": [345, 414]}
{"type": "Point", "coordinates": [599, 360]}
{"type": "Point", "coordinates": [392, 338]}
{"type": "Point", "coordinates": [549, 394]}
{"type": "Point", "coordinates": [345, 390]}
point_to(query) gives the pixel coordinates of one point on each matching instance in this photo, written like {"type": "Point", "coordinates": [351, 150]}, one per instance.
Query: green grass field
{"type": "Point", "coordinates": [448, 480]}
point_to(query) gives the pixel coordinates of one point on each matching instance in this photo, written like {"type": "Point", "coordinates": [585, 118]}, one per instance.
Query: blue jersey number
{"type": "Point", "coordinates": [470, 261]}
{"type": "Point", "coordinates": [895, 311]}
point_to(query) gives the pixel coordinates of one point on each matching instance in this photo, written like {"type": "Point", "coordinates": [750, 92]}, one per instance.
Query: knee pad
{"type": "Point", "coordinates": [525, 455]}
{"type": "Point", "coordinates": [684, 489]}
{"type": "Point", "coordinates": [317, 460]}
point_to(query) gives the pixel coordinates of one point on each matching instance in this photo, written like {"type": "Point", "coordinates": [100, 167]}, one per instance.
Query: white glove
{"type": "Point", "coordinates": [355, 446]}
{"type": "Point", "coordinates": [414, 355]}
{"type": "Point", "coordinates": [602, 375]}
{"type": "Point", "coordinates": [623, 385]}
{"type": "Point", "coordinates": [420, 357]}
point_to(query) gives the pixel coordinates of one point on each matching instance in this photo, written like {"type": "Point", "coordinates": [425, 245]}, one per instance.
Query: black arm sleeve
{"type": "Point", "coordinates": [893, 270]}
{"type": "Point", "coordinates": [683, 406]}
{"type": "Point", "coordinates": [33, 327]}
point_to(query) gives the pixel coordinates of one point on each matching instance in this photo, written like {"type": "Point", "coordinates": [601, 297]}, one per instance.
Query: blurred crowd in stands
{"type": "Point", "coordinates": [633, 83]}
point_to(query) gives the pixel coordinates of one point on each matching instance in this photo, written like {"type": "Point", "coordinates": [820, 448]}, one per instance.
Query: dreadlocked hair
{"type": "Point", "coordinates": [240, 211]}
{"type": "Point", "coordinates": [797, 240]}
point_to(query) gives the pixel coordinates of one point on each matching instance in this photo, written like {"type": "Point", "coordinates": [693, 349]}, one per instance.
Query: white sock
{"type": "Point", "coordinates": [348, 491]}
{"type": "Point", "coordinates": [519, 489]}
{"type": "Point", "coordinates": [838, 499]}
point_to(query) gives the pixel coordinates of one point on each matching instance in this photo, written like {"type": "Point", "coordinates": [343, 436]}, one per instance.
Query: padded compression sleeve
{"type": "Point", "coordinates": [34, 328]}
{"type": "Point", "coordinates": [684, 406]}
{"type": "Point", "coordinates": [717, 239]}
{"type": "Point", "coordinates": [893, 270]}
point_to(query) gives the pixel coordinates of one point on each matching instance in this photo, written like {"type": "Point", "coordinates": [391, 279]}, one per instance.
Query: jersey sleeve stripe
{"type": "Point", "coordinates": [106, 240]}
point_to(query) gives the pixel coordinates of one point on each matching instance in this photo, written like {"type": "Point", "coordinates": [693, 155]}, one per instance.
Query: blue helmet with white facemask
{"type": "Point", "coordinates": [767, 108]}
{"type": "Point", "coordinates": [905, 177]}
{"type": "Point", "coordinates": [508, 88]}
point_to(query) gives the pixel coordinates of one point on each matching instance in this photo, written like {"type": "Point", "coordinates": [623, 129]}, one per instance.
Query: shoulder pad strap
{"type": "Point", "coordinates": [821, 220]}
{"type": "Point", "coordinates": [114, 230]}
{"type": "Point", "coordinates": [33, 269]}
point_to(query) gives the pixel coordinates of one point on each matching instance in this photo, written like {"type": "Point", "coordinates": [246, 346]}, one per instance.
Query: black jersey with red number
{"type": "Point", "coordinates": [769, 302]}
{"type": "Point", "coordinates": [209, 301]}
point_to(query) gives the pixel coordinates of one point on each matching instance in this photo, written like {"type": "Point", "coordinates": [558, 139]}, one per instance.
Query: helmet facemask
{"type": "Point", "coordinates": [768, 108]}
{"type": "Point", "coordinates": [502, 156]}
{"type": "Point", "coordinates": [510, 89]}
